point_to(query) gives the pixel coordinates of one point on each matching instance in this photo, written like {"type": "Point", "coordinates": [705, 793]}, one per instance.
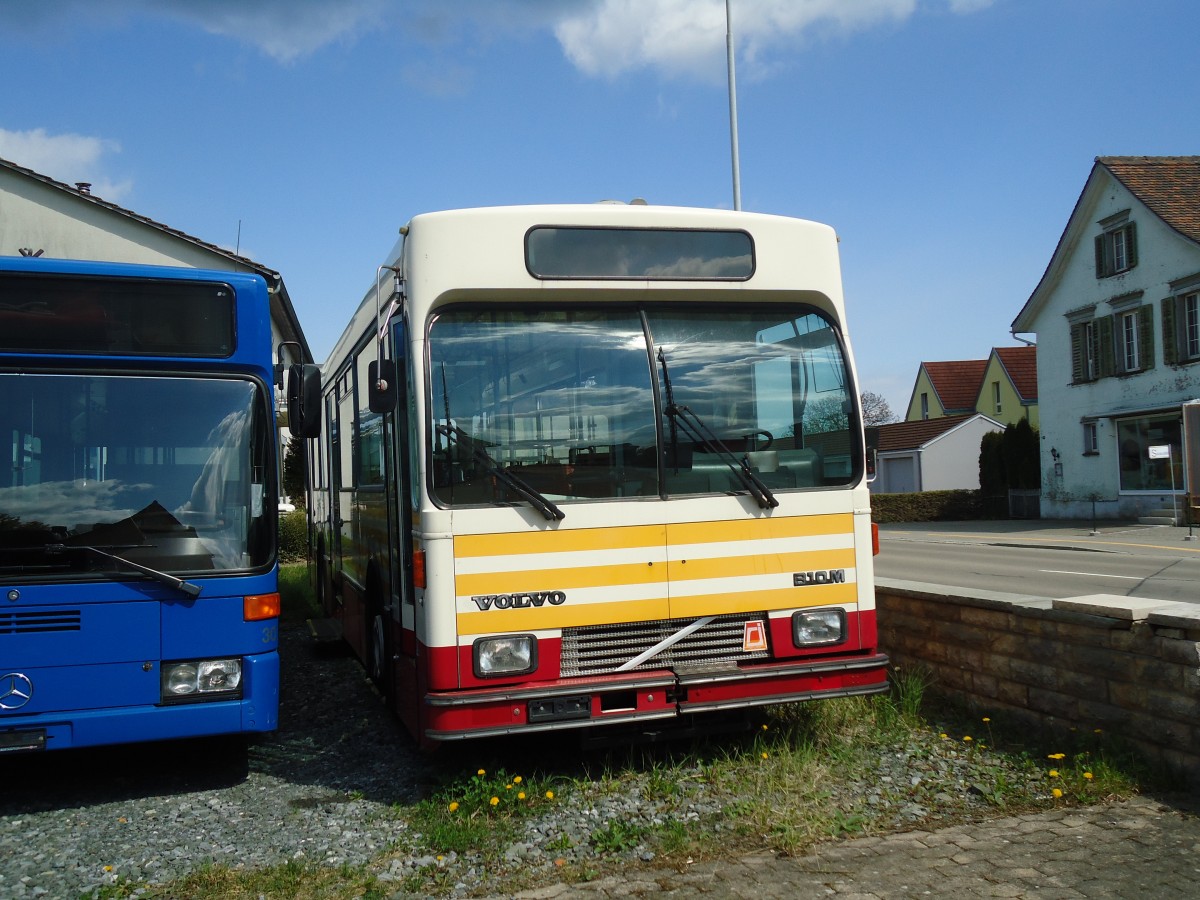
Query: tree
{"type": "Point", "coordinates": [294, 465]}
{"type": "Point", "coordinates": [876, 410]}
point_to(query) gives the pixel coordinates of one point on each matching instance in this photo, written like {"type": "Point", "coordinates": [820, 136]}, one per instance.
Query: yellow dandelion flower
{"type": "Point", "coordinates": [1088, 775]}
{"type": "Point", "coordinates": [453, 806]}
{"type": "Point", "coordinates": [521, 795]}
{"type": "Point", "coordinates": [1054, 773]}
{"type": "Point", "coordinates": [765, 727]}
{"type": "Point", "coordinates": [986, 719]}
{"type": "Point", "coordinates": [481, 772]}
{"type": "Point", "coordinates": [517, 780]}
{"type": "Point", "coordinates": [508, 787]}
{"type": "Point", "coordinates": [1099, 731]}
{"type": "Point", "coordinates": [944, 736]}
{"type": "Point", "coordinates": [1057, 756]}
{"type": "Point", "coordinates": [1056, 793]}
{"type": "Point", "coordinates": [549, 795]}
{"type": "Point", "coordinates": [495, 801]}
{"type": "Point", "coordinates": [108, 868]}
{"type": "Point", "coordinates": [765, 754]}
{"type": "Point", "coordinates": [967, 738]}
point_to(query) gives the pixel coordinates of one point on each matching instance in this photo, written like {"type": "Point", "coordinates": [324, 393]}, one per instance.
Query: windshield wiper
{"type": "Point", "coordinates": [701, 433]}
{"type": "Point", "coordinates": [170, 581]}
{"type": "Point", "coordinates": [513, 482]}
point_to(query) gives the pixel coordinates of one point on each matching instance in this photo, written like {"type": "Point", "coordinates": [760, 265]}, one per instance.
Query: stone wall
{"type": "Point", "coordinates": [1122, 664]}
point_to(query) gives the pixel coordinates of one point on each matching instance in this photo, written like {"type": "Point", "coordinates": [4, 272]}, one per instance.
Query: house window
{"type": "Point", "coordinates": [1140, 472]}
{"type": "Point", "coordinates": [1128, 336]}
{"type": "Point", "coordinates": [1085, 351]}
{"type": "Point", "coordinates": [996, 395]}
{"type": "Point", "coordinates": [924, 406]}
{"type": "Point", "coordinates": [1091, 439]}
{"type": "Point", "coordinates": [1181, 329]}
{"type": "Point", "coordinates": [1116, 250]}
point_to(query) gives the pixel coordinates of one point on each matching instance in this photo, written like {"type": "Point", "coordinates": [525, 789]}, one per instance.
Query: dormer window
{"type": "Point", "coordinates": [1116, 246]}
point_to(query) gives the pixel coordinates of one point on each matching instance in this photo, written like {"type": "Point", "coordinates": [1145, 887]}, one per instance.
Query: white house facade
{"type": "Point", "coordinates": [1118, 344]}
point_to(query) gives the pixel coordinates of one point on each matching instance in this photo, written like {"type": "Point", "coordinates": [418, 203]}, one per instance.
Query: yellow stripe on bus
{"type": "Point", "coordinates": [760, 564]}
{"type": "Point", "coordinates": [558, 579]}
{"type": "Point", "coordinates": [517, 544]}
{"type": "Point", "coordinates": [761, 529]}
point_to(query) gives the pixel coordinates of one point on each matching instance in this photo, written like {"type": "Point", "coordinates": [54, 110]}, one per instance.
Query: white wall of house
{"type": "Point", "coordinates": [1073, 475]}
{"type": "Point", "coordinates": [36, 216]}
{"type": "Point", "coordinates": [951, 462]}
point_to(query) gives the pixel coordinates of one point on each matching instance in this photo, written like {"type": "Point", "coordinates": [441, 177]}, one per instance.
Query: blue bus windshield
{"type": "Point", "coordinates": [170, 472]}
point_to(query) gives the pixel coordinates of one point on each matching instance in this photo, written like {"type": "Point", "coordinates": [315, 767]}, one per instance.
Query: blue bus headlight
{"type": "Point", "coordinates": [202, 679]}
{"type": "Point", "coordinates": [818, 627]}
{"type": "Point", "coordinates": [512, 654]}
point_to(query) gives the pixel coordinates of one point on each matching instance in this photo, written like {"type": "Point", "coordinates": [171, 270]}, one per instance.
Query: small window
{"type": "Point", "coordinates": [1116, 250]}
{"type": "Point", "coordinates": [1128, 336]}
{"type": "Point", "coordinates": [1091, 439]}
{"type": "Point", "coordinates": [653, 254]}
{"type": "Point", "coordinates": [924, 406]}
{"type": "Point", "coordinates": [1181, 329]}
{"type": "Point", "coordinates": [996, 396]}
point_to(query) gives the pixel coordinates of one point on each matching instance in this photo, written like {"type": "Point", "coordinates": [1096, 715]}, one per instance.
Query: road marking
{"type": "Point", "coordinates": [1091, 574]}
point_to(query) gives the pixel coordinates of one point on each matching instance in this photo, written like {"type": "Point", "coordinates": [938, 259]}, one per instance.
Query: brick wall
{"type": "Point", "coordinates": [1123, 664]}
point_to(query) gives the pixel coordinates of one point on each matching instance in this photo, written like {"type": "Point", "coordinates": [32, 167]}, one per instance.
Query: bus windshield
{"type": "Point", "coordinates": [171, 473]}
{"type": "Point", "coordinates": [659, 401]}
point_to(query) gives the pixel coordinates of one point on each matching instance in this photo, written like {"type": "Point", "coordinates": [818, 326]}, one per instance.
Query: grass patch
{"type": "Point", "coordinates": [296, 599]}
{"type": "Point", "coordinates": [299, 880]}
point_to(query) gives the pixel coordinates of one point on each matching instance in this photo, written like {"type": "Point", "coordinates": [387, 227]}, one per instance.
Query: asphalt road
{"type": "Point", "coordinates": [1045, 559]}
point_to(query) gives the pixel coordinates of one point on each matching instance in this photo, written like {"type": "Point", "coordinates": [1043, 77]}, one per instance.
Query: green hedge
{"type": "Point", "coordinates": [936, 506]}
{"type": "Point", "coordinates": [293, 536]}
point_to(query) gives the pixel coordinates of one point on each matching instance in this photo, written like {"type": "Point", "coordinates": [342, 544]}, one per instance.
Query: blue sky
{"type": "Point", "coordinates": [945, 140]}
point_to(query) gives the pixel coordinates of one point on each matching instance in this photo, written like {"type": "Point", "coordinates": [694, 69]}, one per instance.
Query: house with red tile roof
{"type": "Point", "coordinates": [1117, 320]}
{"type": "Point", "coordinates": [936, 454]}
{"type": "Point", "coordinates": [1002, 387]}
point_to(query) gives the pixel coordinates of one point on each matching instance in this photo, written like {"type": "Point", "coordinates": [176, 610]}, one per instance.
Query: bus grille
{"type": "Point", "coordinates": [601, 649]}
{"type": "Point", "coordinates": [39, 621]}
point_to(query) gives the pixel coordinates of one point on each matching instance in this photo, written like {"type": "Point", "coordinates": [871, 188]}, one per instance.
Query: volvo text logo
{"type": "Point", "coordinates": [15, 690]}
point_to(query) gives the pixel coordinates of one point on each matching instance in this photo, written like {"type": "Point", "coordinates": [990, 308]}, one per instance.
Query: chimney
{"type": "Point", "coordinates": [84, 187]}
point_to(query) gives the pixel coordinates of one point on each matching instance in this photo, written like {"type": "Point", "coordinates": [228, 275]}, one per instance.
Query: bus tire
{"type": "Point", "coordinates": [376, 644]}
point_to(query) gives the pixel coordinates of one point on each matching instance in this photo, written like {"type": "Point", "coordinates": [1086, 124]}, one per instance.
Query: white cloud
{"type": "Point", "coordinates": [687, 37]}
{"type": "Point", "coordinates": [69, 158]}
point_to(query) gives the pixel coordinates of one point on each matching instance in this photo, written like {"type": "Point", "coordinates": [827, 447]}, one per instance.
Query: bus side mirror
{"type": "Point", "coordinates": [304, 400]}
{"type": "Point", "coordinates": [381, 391]}
{"type": "Point", "coordinates": [872, 464]}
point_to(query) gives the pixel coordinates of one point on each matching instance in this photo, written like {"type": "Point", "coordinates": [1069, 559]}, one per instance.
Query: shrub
{"type": "Point", "coordinates": [293, 535]}
{"type": "Point", "coordinates": [935, 506]}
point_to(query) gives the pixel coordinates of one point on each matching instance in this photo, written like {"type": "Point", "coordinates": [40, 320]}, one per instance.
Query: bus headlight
{"type": "Point", "coordinates": [512, 654]}
{"type": "Point", "coordinates": [817, 627]}
{"type": "Point", "coordinates": [202, 679]}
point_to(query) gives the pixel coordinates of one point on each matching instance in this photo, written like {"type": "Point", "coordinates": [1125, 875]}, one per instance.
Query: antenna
{"type": "Point", "coordinates": [733, 128]}
{"type": "Point", "coordinates": [237, 249]}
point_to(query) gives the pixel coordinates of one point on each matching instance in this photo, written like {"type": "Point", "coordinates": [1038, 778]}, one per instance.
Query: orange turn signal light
{"type": "Point", "coordinates": [256, 607]}
{"type": "Point", "coordinates": [418, 566]}
{"type": "Point", "coordinates": [874, 539]}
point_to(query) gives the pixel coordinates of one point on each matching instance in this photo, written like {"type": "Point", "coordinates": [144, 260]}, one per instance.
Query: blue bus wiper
{"type": "Point", "coordinates": [699, 432]}
{"type": "Point", "coordinates": [170, 581]}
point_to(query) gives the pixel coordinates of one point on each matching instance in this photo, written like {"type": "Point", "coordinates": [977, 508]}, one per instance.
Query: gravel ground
{"type": "Point", "coordinates": [331, 786]}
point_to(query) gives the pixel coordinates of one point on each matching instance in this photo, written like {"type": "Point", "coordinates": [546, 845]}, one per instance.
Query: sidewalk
{"type": "Point", "coordinates": [1138, 849]}
{"type": "Point", "coordinates": [1103, 534]}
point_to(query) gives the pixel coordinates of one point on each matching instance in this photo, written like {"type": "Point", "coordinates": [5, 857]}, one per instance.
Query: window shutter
{"type": "Point", "coordinates": [1105, 349]}
{"type": "Point", "coordinates": [1077, 354]}
{"type": "Point", "coordinates": [1131, 245]}
{"type": "Point", "coordinates": [1146, 337]}
{"type": "Point", "coordinates": [1170, 343]}
{"type": "Point", "coordinates": [1099, 256]}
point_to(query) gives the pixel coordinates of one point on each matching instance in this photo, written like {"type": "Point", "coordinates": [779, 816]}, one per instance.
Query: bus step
{"type": "Point", "coordinates": [325, 631]}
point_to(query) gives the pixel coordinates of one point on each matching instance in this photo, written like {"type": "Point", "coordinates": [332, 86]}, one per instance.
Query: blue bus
{"type": "Point", "coordinates": [138, 505]}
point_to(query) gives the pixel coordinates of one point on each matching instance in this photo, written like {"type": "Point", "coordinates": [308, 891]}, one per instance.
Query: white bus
{"type": "Point", "coordinates": [593, 465]}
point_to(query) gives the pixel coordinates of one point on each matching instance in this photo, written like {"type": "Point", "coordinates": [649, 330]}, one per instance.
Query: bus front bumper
{"type": "Point", "coordinates": [644, 696]}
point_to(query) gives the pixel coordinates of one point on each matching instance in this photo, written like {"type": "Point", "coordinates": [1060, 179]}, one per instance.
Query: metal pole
{"type": "Point", "coordinates": [733, 126]}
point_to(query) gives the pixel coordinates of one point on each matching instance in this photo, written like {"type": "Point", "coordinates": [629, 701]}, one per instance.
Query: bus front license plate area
{"type": "Point", "coordinates": [559, 709]}
{"type": "Point", "coordinates": [23, 741]}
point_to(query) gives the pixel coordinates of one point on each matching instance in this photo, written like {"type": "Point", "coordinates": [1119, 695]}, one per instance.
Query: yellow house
{"type": "Point", "coordinates": [1002, 387]}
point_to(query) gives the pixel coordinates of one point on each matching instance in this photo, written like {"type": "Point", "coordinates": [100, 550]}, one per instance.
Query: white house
{"type": "Point", "coordinates": [43, 217]}
{"type": "Point", "coordinates": [1118, 343]}
{"type": "Point", "coordinates": [940, 454]}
